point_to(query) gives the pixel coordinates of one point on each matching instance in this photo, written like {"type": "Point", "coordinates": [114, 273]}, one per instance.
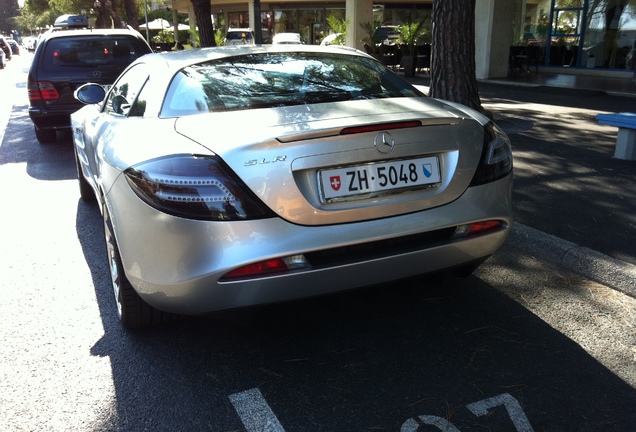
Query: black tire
{"type": "Point", "coordinates": [133, 312]}
{"type": "Point", "coordinates": [45, 136]}
{"type": "Point", "coordinates": [85, 189]}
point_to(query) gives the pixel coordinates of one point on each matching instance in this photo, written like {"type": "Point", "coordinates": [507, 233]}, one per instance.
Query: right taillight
{"type": "Point", "coordinates": [496, 156]}
{"type": "Point", "coordinates": [42, 90]}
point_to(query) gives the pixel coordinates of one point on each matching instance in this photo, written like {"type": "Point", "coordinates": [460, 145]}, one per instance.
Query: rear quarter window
{"type": "Point", "coordinates": [91, 51]}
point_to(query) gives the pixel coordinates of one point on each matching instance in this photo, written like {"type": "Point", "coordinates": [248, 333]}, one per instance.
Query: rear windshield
{"type": "Point", "coordinates": [280, 79]}
{"type": "Point", "coordinates": [92, 51]}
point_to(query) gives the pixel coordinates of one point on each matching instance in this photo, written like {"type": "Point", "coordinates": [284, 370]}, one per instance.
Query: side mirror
{"type": "Point", "coordinates": [90, 93]}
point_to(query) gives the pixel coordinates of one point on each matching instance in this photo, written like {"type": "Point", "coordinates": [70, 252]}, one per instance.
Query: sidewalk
{"type": "Point", "coordinates": [574, 203]}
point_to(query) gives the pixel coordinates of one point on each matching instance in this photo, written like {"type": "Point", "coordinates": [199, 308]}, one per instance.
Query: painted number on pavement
{"type": "Point", "coordinates": [256, 414]}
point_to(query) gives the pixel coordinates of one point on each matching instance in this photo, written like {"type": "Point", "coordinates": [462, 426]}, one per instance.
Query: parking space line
{"type": "Point", "coordinates": [254, 412]}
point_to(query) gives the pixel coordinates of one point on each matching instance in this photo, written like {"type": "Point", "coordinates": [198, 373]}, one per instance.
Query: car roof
{"type": "Point", "coordinates": [180, 59]}
{"type": "Point", "coordinates": [90, 31]}
{"type": "Point", "coordinates": [171, 61]}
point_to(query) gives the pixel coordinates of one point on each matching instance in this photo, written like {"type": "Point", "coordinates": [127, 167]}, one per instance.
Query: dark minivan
{"type": "Point", "coordinates": [66, 58]}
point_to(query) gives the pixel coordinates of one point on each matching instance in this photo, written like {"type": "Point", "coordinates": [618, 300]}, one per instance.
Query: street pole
{"type": "Point", "coordinates": [258, 26]}
{"type": "Point", "coordinates": [146, 16]}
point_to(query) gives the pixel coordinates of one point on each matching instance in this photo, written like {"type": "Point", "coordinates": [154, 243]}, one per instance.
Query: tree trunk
{"type": "Point", "coordinates": [453, 75]}
{"type": "Point", "coordinates": [203, 15]}
{"type": "Point", "coordinates": [108, 15]}
{"type": "Point", "coordinates": [131, 13]}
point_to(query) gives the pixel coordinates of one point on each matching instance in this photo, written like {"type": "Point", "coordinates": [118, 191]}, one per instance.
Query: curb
{"type": "Point", "coordinates": [585, 262]}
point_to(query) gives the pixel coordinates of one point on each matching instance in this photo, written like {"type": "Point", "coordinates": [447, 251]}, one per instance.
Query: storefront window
{"type": "Point", "coordinates": [579, 33]}
{"type": "Point", "coordinates": [311, 25]}
{"type": "Point", "coordinates": [567, 25]}
{"type": "Point", "coordinates": [610, 36]}
{"type": "Point", "coordinates": [238, 19]}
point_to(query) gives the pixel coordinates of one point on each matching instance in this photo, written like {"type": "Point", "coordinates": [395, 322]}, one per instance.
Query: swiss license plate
{"type": "Point", "coordinates": [379, 177]}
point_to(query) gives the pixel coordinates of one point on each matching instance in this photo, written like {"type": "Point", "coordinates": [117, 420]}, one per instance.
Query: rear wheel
{"type": "Point", "coordinates": [133, 312]}
{"type": "Point", "coordinates": [45, 136]}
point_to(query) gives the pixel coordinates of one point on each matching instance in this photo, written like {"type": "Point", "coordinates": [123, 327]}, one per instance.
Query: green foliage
{"type": "Point", "coordinates": [194, 37]}
{"type": "Point", "coordinates": [369, 28]}
{"type": "Point", "coordinates": [164, 36]}
{"type": "Point", "coordinates": [340, 27]}
{"type": "Point", "coordinates": [26, 22]}
{"type": "Point", "coordinates": [34, 14]}
{"type": "Point", "coordinates": [413, 33]}
{"type": "Point", "coordinates": [219, 37]}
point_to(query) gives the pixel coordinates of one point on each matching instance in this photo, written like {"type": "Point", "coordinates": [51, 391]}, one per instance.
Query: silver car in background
{"type": "Point", "coordinates": [239, 176]}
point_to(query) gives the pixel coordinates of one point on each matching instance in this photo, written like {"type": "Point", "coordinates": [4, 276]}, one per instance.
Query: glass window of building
{"type": "Point", "coordinates": [579, 33]}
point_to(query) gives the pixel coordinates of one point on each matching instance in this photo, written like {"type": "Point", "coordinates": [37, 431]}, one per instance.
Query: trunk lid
{"type": "Point", "coordinates": [290, 157]}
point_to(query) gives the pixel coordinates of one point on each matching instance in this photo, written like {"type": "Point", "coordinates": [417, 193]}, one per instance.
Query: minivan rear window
{"type": "Point", "coordinates": [238, 35]}
{"type": "Point", "coordinates": [92, 51]}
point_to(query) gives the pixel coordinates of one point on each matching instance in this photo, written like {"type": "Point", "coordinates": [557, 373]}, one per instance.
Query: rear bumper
{"type": "Point", "coordinates": [176, 265]}
{"type": "Point", "coordinates": [45, 119]}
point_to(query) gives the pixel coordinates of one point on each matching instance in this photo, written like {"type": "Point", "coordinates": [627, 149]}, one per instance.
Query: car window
{"type": "Point", "coordinates": [279, 79]}
{"type": "Point", "coordinates": [91, 51]}
{"type": "Point", "coordinates": [239, 35]}
{"type": "Point", "coordinates": [122, 98]}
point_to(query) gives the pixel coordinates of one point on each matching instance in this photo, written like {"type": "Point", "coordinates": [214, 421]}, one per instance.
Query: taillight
{"type": "Point", "coordinates": [257, 269]}
{"type": "Point", "coordinates": [496, 157]}
{"type": "Point", "coordinates": [195, 187]}
{"type": "Point", "coordinates": [475, 228]}
{"type": "Point", "coordinates": [42, 90]}
{"type": "Point", "coordinates": [268, 267]}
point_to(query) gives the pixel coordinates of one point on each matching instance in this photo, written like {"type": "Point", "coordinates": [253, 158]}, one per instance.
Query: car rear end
{"type": "Point", "coordinates": [66, 60]}
{"type": "Point", "coordinates": [239, 37]}
{"type": "Point", "coordinates": [349, 185]}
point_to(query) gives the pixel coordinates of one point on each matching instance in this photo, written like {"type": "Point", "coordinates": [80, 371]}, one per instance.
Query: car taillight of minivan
{"type": "Point", "coordinates": [42, 90]}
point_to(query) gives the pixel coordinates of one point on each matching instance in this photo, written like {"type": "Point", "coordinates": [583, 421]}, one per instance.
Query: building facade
{"type": "Point", "coordinates": [568, 36]}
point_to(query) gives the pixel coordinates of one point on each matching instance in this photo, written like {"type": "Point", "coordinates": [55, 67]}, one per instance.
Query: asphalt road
{"type": "Point", "coordinates": [521, 345]}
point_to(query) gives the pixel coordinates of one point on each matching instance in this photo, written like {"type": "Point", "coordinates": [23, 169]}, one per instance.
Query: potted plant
{"type": "Point", "coordinates": [372, 40]}
{"type": "Point", "coordinates": [411, 33]}
{"type": "Point", "coordinates": [339, 28]}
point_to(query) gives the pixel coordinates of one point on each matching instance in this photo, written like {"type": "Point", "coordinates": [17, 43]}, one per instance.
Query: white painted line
{"type": "Point", "coordinates": [254, 412]}
{"type": "Point", "coordinates": [442, 424]}
{"type": "Point", "coordinates": [511, 404]}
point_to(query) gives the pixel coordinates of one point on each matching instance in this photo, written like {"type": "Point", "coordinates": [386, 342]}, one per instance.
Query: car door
{"type": "Point", "coordinates": [119, 106]}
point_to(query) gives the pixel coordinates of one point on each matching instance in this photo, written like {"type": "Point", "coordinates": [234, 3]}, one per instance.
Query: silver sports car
{"type": "Point", "coordinates": [239, 176]}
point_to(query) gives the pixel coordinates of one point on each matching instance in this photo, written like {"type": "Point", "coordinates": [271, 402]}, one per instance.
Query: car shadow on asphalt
{"type": "Point", "coordinates": [374, 359]}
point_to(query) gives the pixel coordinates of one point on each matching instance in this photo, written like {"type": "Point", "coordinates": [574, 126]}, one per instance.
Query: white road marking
{"type": "Point", "coordinates": [512, 405]}
{"type": "Point", "coordinates": [254, 412]}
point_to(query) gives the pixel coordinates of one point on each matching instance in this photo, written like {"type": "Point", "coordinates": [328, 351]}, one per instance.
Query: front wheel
{"type": "Point", "coordinates": [133, 312]}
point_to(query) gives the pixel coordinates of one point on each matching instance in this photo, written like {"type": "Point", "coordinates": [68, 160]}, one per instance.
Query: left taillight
{"type": "Point", "coordinates": [42, 90]}
{"type": "Point", "coordinates": [195, 187]}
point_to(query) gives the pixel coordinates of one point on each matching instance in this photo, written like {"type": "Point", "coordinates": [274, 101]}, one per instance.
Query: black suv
{"type": "Point", "coordinates": [69, 56]}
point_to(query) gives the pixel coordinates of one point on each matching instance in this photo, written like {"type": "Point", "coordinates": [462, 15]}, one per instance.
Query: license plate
{"type": "Point", "coordinates": [379, 177]}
